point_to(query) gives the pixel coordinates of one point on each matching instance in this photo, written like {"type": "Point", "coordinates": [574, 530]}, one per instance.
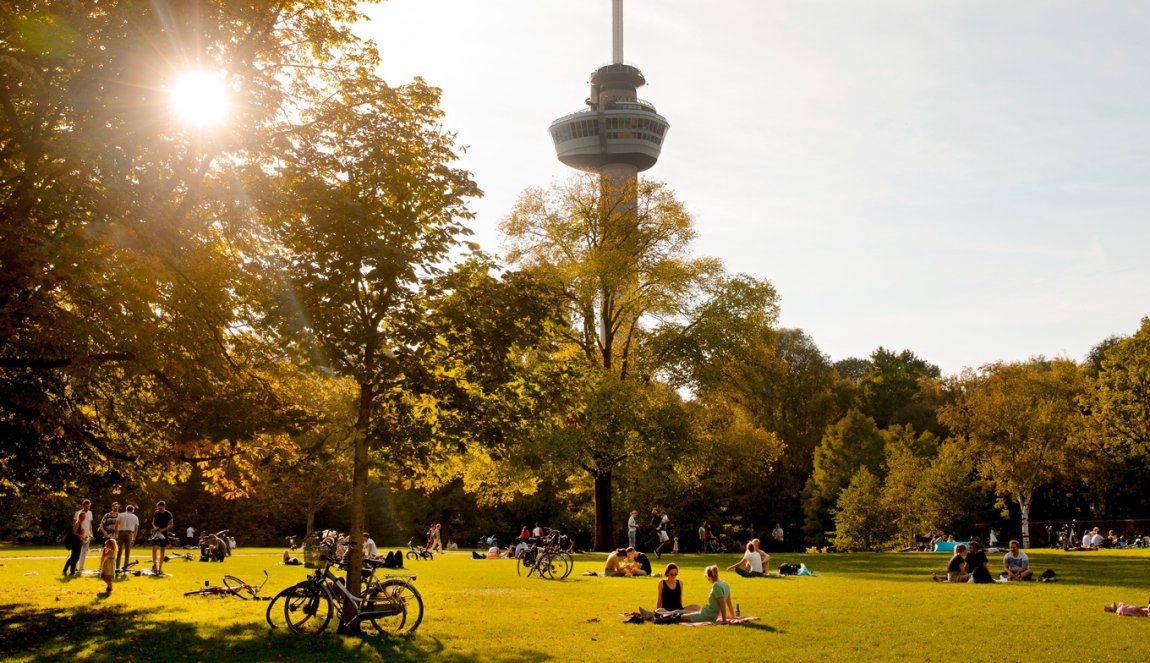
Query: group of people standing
{"type": "Point", "coordinates": [118, 529]}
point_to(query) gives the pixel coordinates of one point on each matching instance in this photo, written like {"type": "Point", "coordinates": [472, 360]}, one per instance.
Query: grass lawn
{"type": "Point", "coordinates": [860, 607]}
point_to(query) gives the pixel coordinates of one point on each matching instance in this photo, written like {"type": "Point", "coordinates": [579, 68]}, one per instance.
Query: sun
{"type": "Point", "coordinates": [200, 99]}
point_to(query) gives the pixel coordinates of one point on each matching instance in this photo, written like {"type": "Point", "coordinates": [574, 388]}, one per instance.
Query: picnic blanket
{"type": "Point", "coordinates": [734, 621]}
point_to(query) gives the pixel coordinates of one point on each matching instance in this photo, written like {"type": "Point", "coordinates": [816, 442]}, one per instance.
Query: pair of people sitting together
{"type": "Point", "coordinates": [669, 608]}
{"type": "Point", "coordinates": [627, 562]}
{"type": "Point", "coordinates": [754, 564]}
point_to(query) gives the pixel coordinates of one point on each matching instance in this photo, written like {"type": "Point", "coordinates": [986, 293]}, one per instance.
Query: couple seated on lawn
{"type": "Point", "coordinates": [973, 567]}
{"type": "Point", "coordinates": [670, 609]}
{"type": "Point", "coordinates": [754, 564]}
{"type": "Point", "coordinates": [627, 562]}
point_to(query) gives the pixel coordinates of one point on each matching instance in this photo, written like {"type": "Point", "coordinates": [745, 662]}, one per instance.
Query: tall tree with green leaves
{"type": "Point", "coordinates": [1119, 396]}
{"type": "Point", "coordinates": [638, 306]}
{"type": "Point", "coordinates": [851, 444]}
{"type": "Point", "coordinates": [1019, 423]}
{"type": "Point", "coordinates": [889, 391]}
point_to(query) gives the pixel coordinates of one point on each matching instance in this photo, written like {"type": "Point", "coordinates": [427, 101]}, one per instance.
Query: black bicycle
{"type": "Point", "coordinates": [391, 605]}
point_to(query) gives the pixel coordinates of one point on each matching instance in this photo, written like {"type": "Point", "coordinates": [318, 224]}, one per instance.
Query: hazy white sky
{"type": "Point", "coordinates": [968, 179]}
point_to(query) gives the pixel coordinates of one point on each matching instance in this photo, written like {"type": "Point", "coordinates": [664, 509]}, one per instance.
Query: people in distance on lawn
{"type": "Point", "coordinates": [751, 565]}
{"type": "Point", "coordinates": [108, 564]}
{"type": "Point", "coordinates": [670, 596]}
{"type": "Point", "coordinates": [633, 529]}
{"type": "Point", "coordinates": [956, 567]}
{"type": "Point", "coordinates": [370, 551]}
{"type": "Point", "coordinates": [83, 518]}
{"type": "Point", "coordinates": [1015, 564]}
{"type": "Point", "coordinates": [977, 563]}
{"type": "Point", "coordinates": [75, 537]}
{"type": "Point", "coordinates": [661, 523]}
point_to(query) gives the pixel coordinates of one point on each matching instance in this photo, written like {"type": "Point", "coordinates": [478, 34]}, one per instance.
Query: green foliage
{"type": "Point", "coordinates": [1018, 423]}
{"type": "Point", "coordinates": [889, 392]}
{"type": "Point", "coordinates": [1119, 400]}
{"type": "Point", "coordinates": [861, 522]}
{"type": "Point", "coordinates": [848, 446]}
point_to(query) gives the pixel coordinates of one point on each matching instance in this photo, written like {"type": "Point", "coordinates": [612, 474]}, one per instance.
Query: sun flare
{"type": "Point", "coordinates": [200, 99]}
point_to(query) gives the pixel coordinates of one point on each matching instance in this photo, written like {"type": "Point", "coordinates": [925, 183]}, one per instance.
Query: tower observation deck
{"type": "Point", "coordinates": [618, 134]}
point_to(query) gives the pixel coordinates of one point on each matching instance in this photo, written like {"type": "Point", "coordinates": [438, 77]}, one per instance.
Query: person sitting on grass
{"type": "Point", "coordinates": [719, 608]}
{"type": "Point", "coordinates": [670, 597]}
{"type": "Point", "coordinates": [1015, 564]}
{"type": "Point", "coordinates": [763, 555]}
{"type": "Point", "coordinates": [615, 563]}
{"type": "Point", "coordinates": [977, 563]}
{"type": "Point", "coordinates": [637, 563]}
{"type": "Point", "coordinates": [956, 567]}
{"type": "Point", "coordinates": [751, 565]}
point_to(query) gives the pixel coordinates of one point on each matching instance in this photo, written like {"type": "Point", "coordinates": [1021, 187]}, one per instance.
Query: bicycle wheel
{"type": "Point", "coordinates": [405, 612]}
{"type": "Point", "coordinates": [426, 554]}
{"type": "Point", "coordinates": [284, 593]}
{"type": "Point", "coordinates": [526, 565]}
{"type": "Point", "coordinates": [307, 608]}
{"type": "Point", "coordinates": [411, 554]}
{"type": "Point", "coordinates": [202, 592]}
{"type": "Point", "coordinates": [549, 566]}
{"type": "Point", "coordinates": [240, 588]}
{"type": "Point", "coordinates": [562, 565]}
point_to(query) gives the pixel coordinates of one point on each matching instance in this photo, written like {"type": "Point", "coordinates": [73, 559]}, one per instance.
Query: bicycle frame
{"type": "Point", "coordinates": [329, 580]}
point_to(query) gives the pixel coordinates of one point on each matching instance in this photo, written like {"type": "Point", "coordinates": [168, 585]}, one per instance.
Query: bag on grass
{"type": "Point", "coordinates": [668, 617]}
{"type": "Point", "coordinates": [788, 569]}
{"type": "Point", "coordinates": [1048, 576]}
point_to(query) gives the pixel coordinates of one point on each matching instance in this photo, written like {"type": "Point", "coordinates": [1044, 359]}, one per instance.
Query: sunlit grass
{"type": "Point", "coordinates": [861, 607]}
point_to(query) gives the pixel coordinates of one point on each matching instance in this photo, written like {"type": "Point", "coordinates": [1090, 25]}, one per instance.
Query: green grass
{"type": "Point", "coordinates": [861, 607]}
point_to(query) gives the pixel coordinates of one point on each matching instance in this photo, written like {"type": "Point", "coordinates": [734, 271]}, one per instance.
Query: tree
{"type": "Point", "coordinates": [1119, 396]}
{"type": "Point", "coordinates": [848, 446]}
{"type": "Point", "coordinates": [1018, 422]}
{"type": "Point", "coordinates": [637, 306]}
{"type": "Point", "coordinates": [861, 522]}
{"type": "Point", "coordinates": [889, 392]}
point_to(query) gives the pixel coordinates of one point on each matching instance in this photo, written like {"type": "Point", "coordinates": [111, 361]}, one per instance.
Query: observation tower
{"type": "Point", "coordinates": [618, 135]}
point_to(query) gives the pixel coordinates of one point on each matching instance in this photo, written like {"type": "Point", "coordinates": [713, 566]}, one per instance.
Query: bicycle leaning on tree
{"type": "Point", "coordinates": [391, 605]}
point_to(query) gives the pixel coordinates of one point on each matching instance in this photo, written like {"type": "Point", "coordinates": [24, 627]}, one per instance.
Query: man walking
{"type": "Point", "coordinates": [127, 524]}
{"type": "Point", "coordinates": [162, 521]}
{"type": "Point", "coordinates": [632, 529]}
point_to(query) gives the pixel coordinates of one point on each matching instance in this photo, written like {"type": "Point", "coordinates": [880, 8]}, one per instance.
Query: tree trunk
{"type": "Point", "coordinates": [310, 523]}
{"type": "Point", "coordinates": [358, 501]}
{"type": "Point", "coordinates": [604, 535]}
{"type": "Point", "coordinates": [1024, 501]}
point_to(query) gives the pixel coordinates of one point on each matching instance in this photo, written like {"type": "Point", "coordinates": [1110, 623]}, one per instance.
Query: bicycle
{"type": "Point", "coordinates": [127, 570]}
{"type": "Point", "coordinates": [418, 552]}
{"type": "Point", "coordinates": [393, 605]}
{"type": "Point", "coordinates": [549, 561]}
{"type": "Point", "coordinates": [187, 557]}
{"type": "Point", "coordinates": [233, 586]}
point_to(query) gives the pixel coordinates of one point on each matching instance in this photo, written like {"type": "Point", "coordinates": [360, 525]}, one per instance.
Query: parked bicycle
{"type": "Point", "coordinates": [233, 586]}
{"type": "Point", "coordinates": [546, 558]}
{"type": "Point", "coordinates": [392, 605]}
{"type": "Point", "coordinates": [417, 551]}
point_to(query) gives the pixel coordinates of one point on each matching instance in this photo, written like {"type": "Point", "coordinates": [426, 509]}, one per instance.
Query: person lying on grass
{"type": "Point", "coordinates": [719, 608]}
{"type": "Point", "coordinates": [1128, 610]}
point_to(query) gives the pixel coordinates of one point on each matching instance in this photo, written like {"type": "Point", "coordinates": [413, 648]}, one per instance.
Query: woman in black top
{"type": "Point", "coordinates": [671, 592]}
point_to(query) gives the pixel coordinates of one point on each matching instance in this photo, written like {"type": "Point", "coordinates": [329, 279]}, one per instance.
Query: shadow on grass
{"type": "Point", "coordinates": [111, 633]}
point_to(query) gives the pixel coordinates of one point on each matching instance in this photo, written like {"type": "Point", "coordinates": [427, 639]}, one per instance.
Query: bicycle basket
{"type": "Point", "coordinates": [313, 555]}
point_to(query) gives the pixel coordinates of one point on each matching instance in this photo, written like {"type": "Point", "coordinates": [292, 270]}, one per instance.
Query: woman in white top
{"type": "Point", "coordinates": [751, 565]}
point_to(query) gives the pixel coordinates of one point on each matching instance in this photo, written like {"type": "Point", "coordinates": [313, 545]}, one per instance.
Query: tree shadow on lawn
{"type": "Point", "coordinates": [1088, 568]}
{"type": "Point", "coordinates": [112, 633]}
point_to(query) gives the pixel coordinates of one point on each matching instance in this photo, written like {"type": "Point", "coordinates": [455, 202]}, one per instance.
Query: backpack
{"type": "Point", "coordinates": [981, 576]}
{"type": "Point", "coordinates": [1048, 576]}
{"type": "Point", "coordinates": [788, 569]}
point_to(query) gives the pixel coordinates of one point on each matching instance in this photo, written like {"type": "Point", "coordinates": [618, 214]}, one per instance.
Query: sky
{"type": "Point", "coordinates": [968, 180]}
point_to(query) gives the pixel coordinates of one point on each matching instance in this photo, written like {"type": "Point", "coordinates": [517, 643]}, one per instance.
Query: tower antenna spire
{"type": "Point", "coordinates": [617, 31]}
